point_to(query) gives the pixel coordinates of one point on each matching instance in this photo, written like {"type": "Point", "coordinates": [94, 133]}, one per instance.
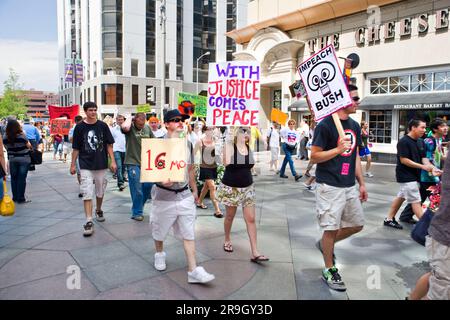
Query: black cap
{"type": "Point", "coordinates": [173, 114]}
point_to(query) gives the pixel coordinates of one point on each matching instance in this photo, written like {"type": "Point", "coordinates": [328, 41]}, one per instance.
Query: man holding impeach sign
{"type": "Point", "coordinates": [335, 150]}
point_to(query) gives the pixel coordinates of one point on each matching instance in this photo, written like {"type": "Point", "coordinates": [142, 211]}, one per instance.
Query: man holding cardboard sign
{"type": "Point", "coordinates": [338, 202]}
{"type": "Point", "coordinates": [173, 203]}
{"type": "Point", "coordinates": [335, 150]}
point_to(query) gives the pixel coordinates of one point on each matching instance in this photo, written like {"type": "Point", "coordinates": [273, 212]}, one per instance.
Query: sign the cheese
{"type": "Point", "coordinates": [234, 93]}
{"type": "Point", "coordinates": [163, 160]}
{"type": "Point", "coordinates": [324, 83]}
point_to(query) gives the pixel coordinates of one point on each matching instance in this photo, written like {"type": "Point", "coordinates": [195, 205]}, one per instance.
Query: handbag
{"type": "Point", "coordinates": [7, 205]}
{"type": "Point", "coordinates": [36, 156]}
{"type": "Point", "coordinates": [420, 230]}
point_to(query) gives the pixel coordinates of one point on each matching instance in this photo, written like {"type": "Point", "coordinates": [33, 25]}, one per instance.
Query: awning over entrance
{"type": "Point", "coordinates": [417, 101]}
{"type": "Point", "coordinates": [299, 105]}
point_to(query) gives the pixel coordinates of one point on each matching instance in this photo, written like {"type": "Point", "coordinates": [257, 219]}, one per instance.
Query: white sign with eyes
{"type": "Point", "coordinates": [324, 83]}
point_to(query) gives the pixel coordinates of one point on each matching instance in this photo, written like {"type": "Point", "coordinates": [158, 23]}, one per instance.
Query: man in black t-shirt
{"type": "Point", "coordinates": [92, 144]}
{"type": "Point", "coordinates": [338, 201]}
{"type": "Point", "coordinates": [411, 158]}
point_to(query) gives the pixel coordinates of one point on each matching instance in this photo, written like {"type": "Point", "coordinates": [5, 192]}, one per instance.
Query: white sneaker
{"type": "Point", "coordinates": [160, 261]}
{"type": "Point", "coordinates": [368, 174]}
{"type": "Point", "coordinates": [199, 275]}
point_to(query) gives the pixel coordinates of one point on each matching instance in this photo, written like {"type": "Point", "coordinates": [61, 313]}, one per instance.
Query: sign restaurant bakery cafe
{"type": "Point", "coordinates": [421, 106]}
{"type": "Point", "coordinates": [373, 35]}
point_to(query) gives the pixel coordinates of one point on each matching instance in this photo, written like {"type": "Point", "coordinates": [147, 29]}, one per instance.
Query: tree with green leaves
{"type": "Point", "coordinates": [13, 101]}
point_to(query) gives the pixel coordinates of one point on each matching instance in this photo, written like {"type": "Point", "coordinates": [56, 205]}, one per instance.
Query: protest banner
{"type": "Point", "coordinates": [163, 159]}
{"type": "Point", "coordinates": [145, 108]}
{"type": "Point", "coordinates": [198, 103]}
{"type": "Point", "coordinates": [297, 89]}
{"type": "Point", "coordinates": [60, 126]}
{"type": "Point", "coordinates": [325, 85]}
{"type": "Point", "coordinates": [61, 112]}
{"type": "Point", "coordinates": [278, 116]}
{"type": "Point", "coordinates": [234, 93]}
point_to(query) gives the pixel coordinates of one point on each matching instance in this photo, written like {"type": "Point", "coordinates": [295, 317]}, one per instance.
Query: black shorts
{"type": "Point", "coordinates": [208, 173]}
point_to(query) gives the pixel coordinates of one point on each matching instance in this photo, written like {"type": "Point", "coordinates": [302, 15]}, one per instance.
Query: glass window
{"type": "Point", "coordinates": [134, 67]}
{"type": "Point", "coordinates": [277, 99]}
{"type": "Point", "coordinates": [421, 82]}
{"type": "Point", "coordinates": [135, 95]}
{"type": "Point", "coordinates": [95, 94]}
{"type": "Point", "coordinates": [112, 94]}
{"type": "Point", "coordinates": [441, 81]}
{"type": "Point", "coordinates": [379, 85]}
{"type": "Point", "coordinates": [380, 126]}
{"type": "Point", "coordinates": [399, 84]}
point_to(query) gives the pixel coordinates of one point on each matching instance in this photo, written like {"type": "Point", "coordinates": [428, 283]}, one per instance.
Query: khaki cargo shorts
{"type": "Point", "coordinates": [178, 213]}
{"type": "Point", "coordinates": [410, 192]}
{"type": "Point", "coordinates": [338, 208]}
{"type": "Point", "coordinates": [93, 180]}
{"type": "Point", "coordinates": [439, 256]}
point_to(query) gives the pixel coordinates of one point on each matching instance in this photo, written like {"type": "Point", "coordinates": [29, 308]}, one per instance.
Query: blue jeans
{"type": "Point", "coordinates": [120, 158]}
{"type": "Point", "coordinates": [140, 192]}
{"type": "Point", "coordinates": [19, 172]}
{"type": "Point", "coordinates": [1, 190]}
{"type": "Point", "coordinates": [287, 158]}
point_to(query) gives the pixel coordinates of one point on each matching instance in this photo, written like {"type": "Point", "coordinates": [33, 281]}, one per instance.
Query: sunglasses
{"type": "Point", "coordinates": [176, 120]}
{"type": "Point", "coordinates": [244, 131]}
{"type": "Point", "coordinates": [356, 99]}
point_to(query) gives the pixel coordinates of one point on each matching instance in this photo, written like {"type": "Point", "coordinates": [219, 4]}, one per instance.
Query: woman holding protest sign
{"type": "Point", "coordinates": [237, 189]}
{"type": "Point", "coordinates": [208, 169]}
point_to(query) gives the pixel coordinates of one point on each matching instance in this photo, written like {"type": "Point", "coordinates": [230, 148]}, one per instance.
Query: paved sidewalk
{"type": "Point", "coordinates": [44, 238]}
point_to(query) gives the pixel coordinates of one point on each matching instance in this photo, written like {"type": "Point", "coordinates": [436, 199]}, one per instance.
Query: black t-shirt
{"type": "Point", "coordinates": [238, 173]}
{"type": "Point", "coordinates": [339, 171]}
{"type": "Point", "coordinates": [414, 150]}
{"type": "Point", "coordinates": [91, 140]}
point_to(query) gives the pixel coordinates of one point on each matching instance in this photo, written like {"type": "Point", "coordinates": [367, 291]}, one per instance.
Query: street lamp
{"type": "Point", "coordinates": [74, 73]}
{"type": "Point", "coordinates": [205, 54]}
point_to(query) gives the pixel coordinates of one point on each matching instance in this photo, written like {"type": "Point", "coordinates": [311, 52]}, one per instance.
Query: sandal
{"type": "Point", "coordinates": [218, 215]}
{"type": "Point", "coordinates": [259, 258]}
{"type": "Point", "coordinates": [201, 206]}
{"type": "Point", "coordinates": [227, 247]}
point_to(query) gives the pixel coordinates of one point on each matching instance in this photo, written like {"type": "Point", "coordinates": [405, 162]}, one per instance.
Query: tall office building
{"type": "Point", "coordinates": [120, 44]}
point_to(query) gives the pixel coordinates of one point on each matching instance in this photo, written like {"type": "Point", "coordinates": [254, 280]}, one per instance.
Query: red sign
{"type": "Point", "coordinates": [60, 126]}
{"type": "Point", "coordinates": [64, 112]}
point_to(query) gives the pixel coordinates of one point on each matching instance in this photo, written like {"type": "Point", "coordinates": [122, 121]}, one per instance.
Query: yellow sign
{"type": "Point", "coordinates": [163, 160]}
{"type": "Point", "coordinates": [279, 116]}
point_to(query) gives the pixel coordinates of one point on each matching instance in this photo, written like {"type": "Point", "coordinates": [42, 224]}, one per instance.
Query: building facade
{"type": "Point", "coordinates": [404, 46]}
{"type": "Point", "coordinates": [120, 44]}
{"type": "Point", "coordinates": [37, 103]}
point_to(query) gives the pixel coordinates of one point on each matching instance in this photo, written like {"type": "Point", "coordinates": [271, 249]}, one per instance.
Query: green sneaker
{"type": "Point", "coordinates": [333, 279]}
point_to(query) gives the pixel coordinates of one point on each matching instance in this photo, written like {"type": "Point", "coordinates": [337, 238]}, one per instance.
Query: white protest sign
{"type": "Point", "coordinates": [163, 159]}
{"type": "Point", "coordinates": [234, 93]}
{"type": "Point", "coordinates": [324, 83]}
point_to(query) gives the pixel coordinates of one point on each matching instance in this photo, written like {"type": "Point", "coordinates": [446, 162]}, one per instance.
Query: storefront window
{"type": "Point", "coordinates": [277, 99]}
{"type": "Point", "coordinates": [380, 125]}
{"type": "Point", "coordinates": [398, 84]}
{"type": "Point", "coordinates": [406, 115]}
{"type": "Point", "coordinates": [417, 82]}
{"type": "Point", "coordinates": [421, 82]}
{"type": "Point", "coordinates": [442, 81]}
{"type": "Point", "coordinates": [379, 86]}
